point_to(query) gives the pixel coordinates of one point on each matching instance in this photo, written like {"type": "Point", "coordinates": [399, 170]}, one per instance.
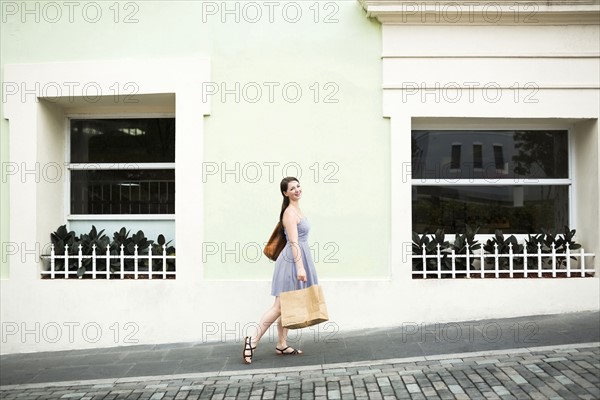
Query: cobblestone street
{"type": "Point", "coordinates": [552, 372]}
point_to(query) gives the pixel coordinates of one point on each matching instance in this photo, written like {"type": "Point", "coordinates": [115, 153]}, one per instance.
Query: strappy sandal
{"type": "Point", "coordinates": [248, 347]}
{"type": "Point", "coordinates": [282, 352]}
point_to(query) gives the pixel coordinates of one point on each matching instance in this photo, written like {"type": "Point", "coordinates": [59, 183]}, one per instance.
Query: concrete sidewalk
{"type": "Point", "coordinates": [322, 347]}
{"type": "Point", "coordinates": [559, 372]}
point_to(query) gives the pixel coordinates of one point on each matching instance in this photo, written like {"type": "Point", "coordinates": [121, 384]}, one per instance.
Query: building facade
{"type": "Point", "coordinates": [180, 119]}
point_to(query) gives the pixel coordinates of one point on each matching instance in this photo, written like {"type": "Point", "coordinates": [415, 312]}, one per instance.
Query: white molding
{"type": "Point", "coordinates": [494, 55]}
{"type": "Point", "coordinates": [427, 85]}
{"type": "Point", "coordinates": [481, 123]}
{"type": "Point", "coordinates": [484, 13]}
{"type": "Point", "coordinates": [120, 217]}
{"type": "Point", "coordinates": [126, 115]}
{"type": "Point", "coordinates": [490, 182]}
{"type": "Point", "coordinates": [92, 166]}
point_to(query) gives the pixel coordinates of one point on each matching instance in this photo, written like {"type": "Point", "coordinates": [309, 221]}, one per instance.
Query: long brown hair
{"type": "Point", "coordinates": [283, 187]}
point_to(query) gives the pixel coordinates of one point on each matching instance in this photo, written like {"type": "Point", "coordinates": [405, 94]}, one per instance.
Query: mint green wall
{"type": "Point", "coordinates": [347, 141]}
{"type": "Point", "coordinates": [350, 218]}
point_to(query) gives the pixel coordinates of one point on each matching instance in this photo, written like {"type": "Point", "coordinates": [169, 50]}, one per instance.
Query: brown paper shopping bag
{"type": "Point", "coordinates": [303, 307]}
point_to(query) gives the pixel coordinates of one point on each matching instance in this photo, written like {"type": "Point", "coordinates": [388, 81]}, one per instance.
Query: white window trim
{"type": "Point", "coordinates": [181, 77]}
{"type": "Point", "coordinates": [489, 182]}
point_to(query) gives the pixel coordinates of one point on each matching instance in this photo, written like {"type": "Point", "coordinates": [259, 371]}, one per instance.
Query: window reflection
{"type": "Point", "coordinates": [455, 158]}
{"type": "Point", "coordinates": [495, 155]}
{"type": "Point", "coordinates": [499, 157]}
{"type": "Point", "coordinates": [515, 209]}
{"type": "Point", "coordinates": [142, 140]}
{"type": "Point", "coordinates": [478, 156]}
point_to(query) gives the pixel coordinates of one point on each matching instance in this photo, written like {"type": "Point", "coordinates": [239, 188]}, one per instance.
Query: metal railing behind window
{"type": "Point", "coordinates": [122, 189]}
{"type": "Point", "coordinates": [143, 197]}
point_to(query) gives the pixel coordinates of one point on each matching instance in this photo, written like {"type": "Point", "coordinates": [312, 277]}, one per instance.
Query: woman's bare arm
{"type": "Point", "coordinates": [290, 222]}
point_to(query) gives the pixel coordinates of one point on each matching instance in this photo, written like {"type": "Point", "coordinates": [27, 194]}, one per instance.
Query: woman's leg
{"type": "Point", "coordinates": [282, 347]}
{"type": "Point", "coordinates": [282, 333]}
{"type": "Point", "coordinates": [266, 321]}
{"type": "Point", "coordinates": [270, 316]}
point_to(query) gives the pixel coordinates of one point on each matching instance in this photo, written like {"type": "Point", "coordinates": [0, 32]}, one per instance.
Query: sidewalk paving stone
{"type": "Point", "coordinates": [508, 370]}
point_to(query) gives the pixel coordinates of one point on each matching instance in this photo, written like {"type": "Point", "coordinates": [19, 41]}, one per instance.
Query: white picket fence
{"type": "Point", "coordinates": [482, 265]}
{"type": "Point", "coordinates": [142, 264]}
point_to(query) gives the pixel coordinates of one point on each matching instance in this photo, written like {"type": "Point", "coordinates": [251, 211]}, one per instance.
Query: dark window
{"type": "Point", "coordinates": [140, 140]}
{"type": "Point", "coordinates": [128, 191]}
{"type": "Point", "coordinates": [122, 166]}
{"type": "Point", "coordinates": [502, 188]}
{"type": "Point", "coordinates": [528, 154]}
{"type": "Point", "coordinates": [513, 209]}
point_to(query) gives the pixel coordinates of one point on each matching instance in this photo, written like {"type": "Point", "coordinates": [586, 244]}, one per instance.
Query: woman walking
{"type": "Point", "coordinates": [293, 265]}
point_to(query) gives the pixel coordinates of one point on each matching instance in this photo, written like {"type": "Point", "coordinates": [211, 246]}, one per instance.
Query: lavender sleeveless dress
{"type": "Point", "coordinates": [284, 275]}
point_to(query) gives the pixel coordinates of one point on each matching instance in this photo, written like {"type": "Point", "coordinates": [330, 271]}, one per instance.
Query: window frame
{"type": "Point", "coordinates": [107, 166]}
{"type": "Point", "coordinates": [479, 125]}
